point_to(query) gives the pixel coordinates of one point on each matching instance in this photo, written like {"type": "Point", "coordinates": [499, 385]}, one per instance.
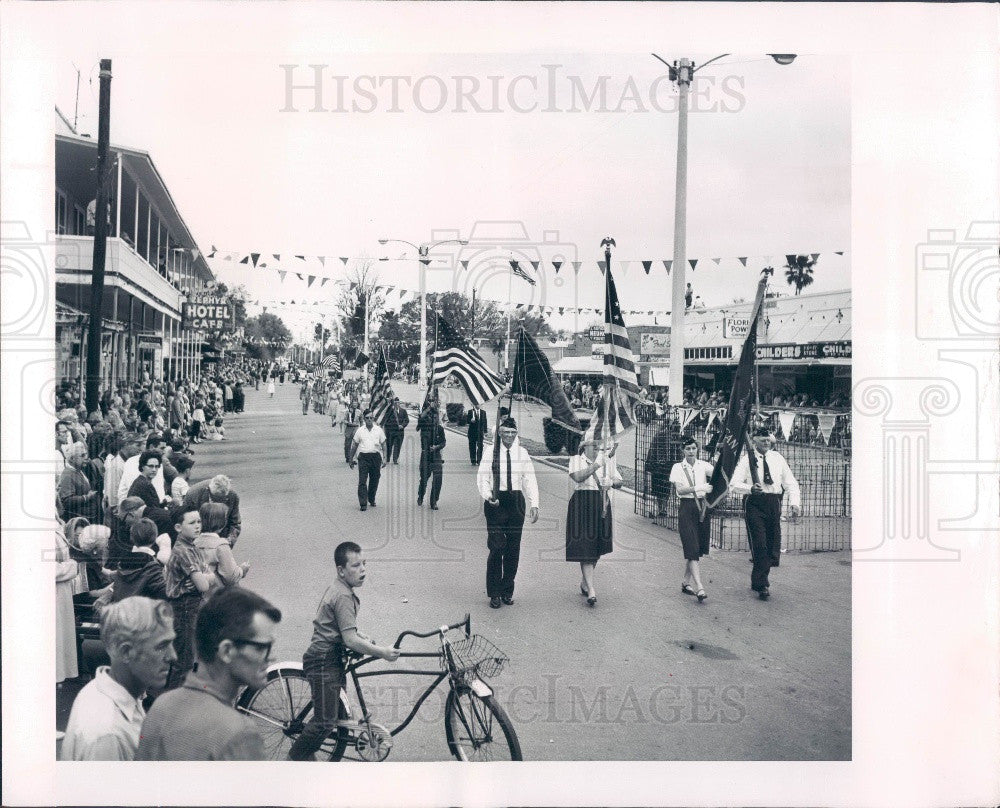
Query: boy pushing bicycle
{"type": "Point", "coordinates": [335, 630]}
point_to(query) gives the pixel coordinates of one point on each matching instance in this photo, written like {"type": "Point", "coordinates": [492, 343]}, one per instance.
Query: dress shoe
{"type": "Point", "coordinates": [764, 593]}
{"type": "Point", "coordinates": [364, 507]}
{"type": "Point", "coordinates": [420, 500]}
{"type": "Point", "coordinates": [592, 600]}
{"type": "Point", "coordinates": [507, 599]}
{"type": "Point", "coordinates": [434, 507]}
{"type": "Point", "coordinates": [494, 603]}
{"type": "Point", "coordinates": [371, 504]}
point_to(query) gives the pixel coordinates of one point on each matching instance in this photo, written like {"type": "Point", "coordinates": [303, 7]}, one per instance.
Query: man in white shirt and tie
{"type": "Point", "coordinates": [765, 476]}
{"type": "Point", "coordinates": [507, 483]}
{"type": "Point", "coordinates": [369, 454]}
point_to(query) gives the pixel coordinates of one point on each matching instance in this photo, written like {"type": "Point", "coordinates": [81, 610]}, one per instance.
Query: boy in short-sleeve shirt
{"type": "Point", "coordinates": [187, 580]}
{"type": "Point", "coordinates": [334, 630]}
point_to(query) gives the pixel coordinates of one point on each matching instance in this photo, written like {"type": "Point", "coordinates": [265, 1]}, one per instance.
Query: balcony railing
{"type": "Point", "coordinates": [76, 253]}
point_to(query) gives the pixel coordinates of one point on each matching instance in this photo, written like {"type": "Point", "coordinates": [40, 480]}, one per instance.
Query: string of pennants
{"type": "Point", "coordinates": [524, 308]}
{"type": "Point", "coordinates": [273, 261]}
{"type": "Point", "coordinates": [825, 421]}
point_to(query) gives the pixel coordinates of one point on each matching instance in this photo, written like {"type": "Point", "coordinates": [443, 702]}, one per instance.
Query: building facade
{"type": "Point", "coordinates": [152, 266]}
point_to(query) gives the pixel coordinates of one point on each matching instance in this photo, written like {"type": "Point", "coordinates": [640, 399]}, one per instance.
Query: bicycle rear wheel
{"type": "Point", "coordinates": [478, 729]}
{"type": "Point", "coordinates": [280, 709]}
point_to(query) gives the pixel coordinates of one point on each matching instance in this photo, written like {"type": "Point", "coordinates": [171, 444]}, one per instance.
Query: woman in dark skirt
{"type": "Point", "coordinates": [691, 477]}
{"type": "Point", "coordinates": [592, 473]}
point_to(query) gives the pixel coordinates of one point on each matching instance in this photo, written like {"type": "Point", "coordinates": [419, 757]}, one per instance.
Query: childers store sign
{"type": "Point", "coordinates": [208, 313]}
{"type": "Point", "coordinates": [809, 350]}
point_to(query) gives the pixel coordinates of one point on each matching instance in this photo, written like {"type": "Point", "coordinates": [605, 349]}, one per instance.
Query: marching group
{"type": "Point", "coordinates": [152, 555]}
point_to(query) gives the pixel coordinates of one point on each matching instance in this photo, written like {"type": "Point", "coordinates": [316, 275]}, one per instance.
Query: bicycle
{"type": "Point", "coordinates": [476, 726]}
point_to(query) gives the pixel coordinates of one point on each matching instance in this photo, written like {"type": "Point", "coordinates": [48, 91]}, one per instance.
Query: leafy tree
{"type": "Point", "coordinates": [266, 328]}
{"type": "Point", "coordinates": [799, 271]}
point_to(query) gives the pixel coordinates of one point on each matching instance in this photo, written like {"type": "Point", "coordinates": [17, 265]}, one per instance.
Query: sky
{"type": "Point", "coordinates": [768, 167]}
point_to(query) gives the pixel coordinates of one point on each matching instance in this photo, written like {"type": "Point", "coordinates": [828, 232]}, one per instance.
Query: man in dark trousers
{"type": "Point", "coordinates": [507, 483]}
{"type": "Point", "coordinates": [476, 421]}
{"type": "Point", "coordinates": [368, 453]}
{"type": "Point", "coordinates": [765, 476]}
{"type": "Point", "coordinates": [396, 420]}
{"type": "Point", "coordinates": [432, 441]}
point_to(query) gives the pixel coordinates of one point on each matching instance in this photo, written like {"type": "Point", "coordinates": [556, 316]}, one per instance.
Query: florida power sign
{"type": "Point", "coordinates": [207, 313]}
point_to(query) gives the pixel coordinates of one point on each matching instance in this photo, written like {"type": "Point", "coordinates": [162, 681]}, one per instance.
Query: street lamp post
{"type": "Point", "coordinates": [423, 250]}
{"type": "Point", "coordinates": [682, 72]}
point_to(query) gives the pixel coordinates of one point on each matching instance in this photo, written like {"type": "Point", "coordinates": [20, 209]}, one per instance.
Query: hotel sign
{"type": "Point", "coordinates": [207, 314]}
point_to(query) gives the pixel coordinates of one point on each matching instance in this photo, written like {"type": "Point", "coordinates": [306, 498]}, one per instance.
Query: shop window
{"type": "Point", "coordinates": [61, 205]}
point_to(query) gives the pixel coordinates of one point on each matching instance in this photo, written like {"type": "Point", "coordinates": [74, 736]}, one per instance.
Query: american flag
{"type": "Point", "coordinates": [382, 394]}
{"type": "Point", "coordinates": [332, 362]}
{"type": "Point", "coordinates": [453, 355]}
{"type": "Point", "coordinates": [621, 383]}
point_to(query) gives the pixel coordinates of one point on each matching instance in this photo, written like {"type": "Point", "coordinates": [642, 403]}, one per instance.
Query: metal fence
{"type": "Point", "coordinates": [823, 474]}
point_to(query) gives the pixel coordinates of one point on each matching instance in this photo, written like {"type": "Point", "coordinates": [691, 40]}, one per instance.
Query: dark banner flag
{"type": "Point", "coordinates": [533, 377]}
{"type": "Point", "coordinates": [741, 400]}
{"type": "Point", "coordinates": [361, 359]}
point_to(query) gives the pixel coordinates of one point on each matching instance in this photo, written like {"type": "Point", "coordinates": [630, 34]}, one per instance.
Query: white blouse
{"type": "Point", "coordinates": [579, 462]}
{"type": "Point", "coordinates": [701, 474]}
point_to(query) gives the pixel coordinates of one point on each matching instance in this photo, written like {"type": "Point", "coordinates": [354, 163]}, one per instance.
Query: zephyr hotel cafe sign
{"type": "Point", "coordinates": [208, 313]}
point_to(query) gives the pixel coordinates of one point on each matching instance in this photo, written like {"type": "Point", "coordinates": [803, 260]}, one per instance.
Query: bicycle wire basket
{"type": "Point", "coordinates": [477, 656]}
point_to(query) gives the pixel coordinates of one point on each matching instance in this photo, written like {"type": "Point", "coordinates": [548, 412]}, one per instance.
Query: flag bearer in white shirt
{"type": "Point", "coordinates": [507, 483]}
{"type": "Point", "coordinates": [764, 474]}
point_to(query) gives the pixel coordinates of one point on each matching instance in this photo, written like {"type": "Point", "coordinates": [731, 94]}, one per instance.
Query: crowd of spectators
{"type": "Point", "coordinates": [145, 552]}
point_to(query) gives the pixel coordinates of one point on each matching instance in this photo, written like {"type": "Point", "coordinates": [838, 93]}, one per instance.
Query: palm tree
{"type": "Point", "coordinates": [799, 271]}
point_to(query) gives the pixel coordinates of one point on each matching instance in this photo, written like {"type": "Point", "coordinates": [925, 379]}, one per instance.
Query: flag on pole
{"type": "Point", "coordinates": [454, 356]}
{"type": "Point", "coordinates": [741, 399]}
{"type": "Point", "coordinates": [621, 383]}
{"type": "Point", "coordinates": [361, 359]}
{"type": "Point", "coordinates": [381, 391]}
{"type": "Point", "coordinates": [516, 269]}
{"type": "Point", "coordinates": [332, 362]}
{"type": "Point", "coordinates": [533, 377]}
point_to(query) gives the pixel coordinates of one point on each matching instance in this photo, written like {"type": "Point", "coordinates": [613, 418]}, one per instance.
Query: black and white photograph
{"type": "Point", "coordinates": [403, 392]}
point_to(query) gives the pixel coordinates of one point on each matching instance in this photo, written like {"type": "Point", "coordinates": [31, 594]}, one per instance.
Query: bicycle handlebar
{"type": "Point", "coordinates": [466, 623]}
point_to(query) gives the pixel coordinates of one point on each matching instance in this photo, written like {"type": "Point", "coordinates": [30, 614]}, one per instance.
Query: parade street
{"type": "Point", "coordinates": [646, 674]}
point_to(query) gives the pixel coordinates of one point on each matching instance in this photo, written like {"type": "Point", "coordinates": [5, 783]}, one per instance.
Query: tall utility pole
{"type": "Point", "coordinates": [675, 392]}
{"type": "Point", "coordinates": [472, 316]}
{"type": "Point", "coordinates": [100, 242]}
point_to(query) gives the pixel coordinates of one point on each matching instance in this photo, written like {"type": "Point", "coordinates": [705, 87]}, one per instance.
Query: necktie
{"type": "Point", "coordinates": [768, 480]}
{"type": "Point", "coordinates": [510, 482]}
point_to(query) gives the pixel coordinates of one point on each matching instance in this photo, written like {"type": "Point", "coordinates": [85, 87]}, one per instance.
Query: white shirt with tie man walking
{"type": "Point", "coordinates": [507, 484]}
{"type": "Point", "coordinates": [763, 506]}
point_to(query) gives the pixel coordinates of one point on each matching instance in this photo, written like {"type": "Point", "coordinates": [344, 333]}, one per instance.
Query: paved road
{"type": "Point", "coordinates": [647, 674]}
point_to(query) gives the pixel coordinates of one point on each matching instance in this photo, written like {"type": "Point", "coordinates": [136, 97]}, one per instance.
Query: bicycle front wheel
{"type": "Point", "coordinates": [280, 709]}
{"type": "Point", "coordinates": [478, 729]}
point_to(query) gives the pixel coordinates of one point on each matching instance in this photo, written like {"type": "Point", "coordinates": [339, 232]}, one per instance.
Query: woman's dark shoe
{"type": "Point", "coordinates": [686, 589]}
{"type": "Point", "coordinates": [592, 600]}
{"type": "Point", "coordinates": [702, 597]}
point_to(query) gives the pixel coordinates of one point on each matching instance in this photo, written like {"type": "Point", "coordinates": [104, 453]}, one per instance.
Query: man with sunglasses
{"type": "Point", "coordinates": [234, 635]}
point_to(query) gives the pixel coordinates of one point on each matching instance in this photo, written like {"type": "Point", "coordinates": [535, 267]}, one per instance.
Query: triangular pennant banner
{"type": "Point", "coordinates": [826, 424]}
{"type": "Point", "coordinates": [465, 264]}
{"type": "Point", "coordinates": [212, 252]}
{"type": "Point", "coordinates": [281, 274]}
{"type": "Point", "coordinates": [625, 266]}
{"type": "Point", "coordinates": [787, 419]}
{"type": "Point", "coordinates": [814, 257]}
{"type": "Point", "coordinates": [577, 265]}
{"type": "Point", "coordinates": [311, 281]}
{"type": "Point", "coordinates": [425, 261]}
{"type": "Point", "coordinates": [693, 262]}
{"type": "Point", "coordinates": [742, 259]}
{"type": "Point", "coordinates": [561, 309]}
{"type": "Point", "coordinates": [600, 266]}
{"type": "Point", "coordinates": [276, 257]}
{"type": "Point", "coordinates": [839, 253]}
{"type": "Point", "coordinates": [195, 252]}
{"type": "Point", "coordinates": [245, 260]}
{"type": "Point", "coordinates": [345, 259]}
{"type": "Point", "coordinates": [667, 263]}
{"type": "Point", "coordinates": [322, 260]}
{"type": "Point", "coordinates": [646, 266]}
{"type": "Point", "coordinates": [716, 261]}
{"type": "Point", "coordinates": [255, 257]}
{"type": "Point", "coordinates": [322, 282]}
{"type": "Point", "coordinates": [557, 265]}
{"type": "Point", "coordinates": [299, 276]}
{"type": "Point", "coordinates": [303, 258]}
{"type": "Point", "coordinates": [534, 265]}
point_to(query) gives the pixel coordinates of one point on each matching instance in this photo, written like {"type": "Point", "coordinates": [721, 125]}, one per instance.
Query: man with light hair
{"type": "Point", "coordinates": [107, 715]}
{"type": "Point", "coordinates": [218, 489]}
